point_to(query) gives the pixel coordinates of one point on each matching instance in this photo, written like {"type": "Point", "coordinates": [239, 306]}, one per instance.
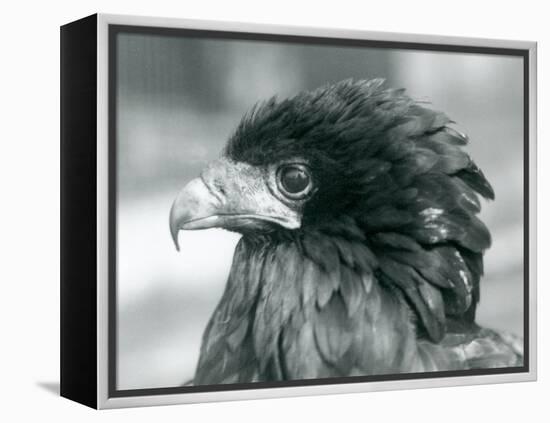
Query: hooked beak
{"type": "Point", "coordinates": [229, 195]}
{"type": "Point", "coordinates": [195, 207]}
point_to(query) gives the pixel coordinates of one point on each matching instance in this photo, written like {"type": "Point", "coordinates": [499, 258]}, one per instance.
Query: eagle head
{"type": "Point", "coordinates": [354, 166]}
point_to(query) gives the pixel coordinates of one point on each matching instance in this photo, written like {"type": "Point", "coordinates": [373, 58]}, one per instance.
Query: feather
{"type": "Point", "coordinates": [449, 135]}
{"type": "Point", "coordinates": [352, 290]}
{"type": "Point", "coordinates": [311, 273]}
{"type": "Point", "coordinates": [345, 227]}
{"type": "Point", "coordinates": [407, 279]}
{"type": "Point", "coordinates": [333, 330]}
{"type": "Point", "coordinates": [236, 338]}
{"type": "Point", "coordinates": [433, 299]}
{"type": "Point", "coordinates": [326, 287]}
{"type": "Point", "coordinates": [369, 169]}
{"type": "Point", "coordinates": [364, 259]}
{"type": "Point", "coordinates": [493, 350]}
{"type": "Point", "coordinates": [422, 161]}
{"type": "Point", "coordinates": [395, 240]}
{"type": "Point", "coordinates": [279, 297]}
{"type": "Point", "coordinates": [319, 250]}
{"type": "Point", "coordinates": [300, 356]}
{"type": "Point", "coordinates": [399, 198]}
{"type": "Point", "coordinates": [385, 217]}
{"type": "Point", "coordinates": [226, 350]}
{"type": "Point", "coordinates": [451, 157]}
{"type": "Point", "coordinates": [475, 178]}
{"type": "Point", "coordinates": [397, 147]}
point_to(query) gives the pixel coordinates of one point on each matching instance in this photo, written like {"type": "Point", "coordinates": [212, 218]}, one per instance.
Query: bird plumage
{"type": "Point", "coordinates": [376, 270]}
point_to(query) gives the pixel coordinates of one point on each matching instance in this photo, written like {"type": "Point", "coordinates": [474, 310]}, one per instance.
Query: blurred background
{"type": "Point", "coordinates": [178, 100]}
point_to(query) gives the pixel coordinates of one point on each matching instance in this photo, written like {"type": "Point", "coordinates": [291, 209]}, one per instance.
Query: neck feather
{"type": "Point", "coordinates": [314, 308]}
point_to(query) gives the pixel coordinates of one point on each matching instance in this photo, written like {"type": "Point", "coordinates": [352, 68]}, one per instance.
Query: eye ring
{"type": "Point", "coordinates": [294, 180]}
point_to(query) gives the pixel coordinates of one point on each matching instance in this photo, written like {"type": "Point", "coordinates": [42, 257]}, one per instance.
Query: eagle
{"type": "Point", "coordinates": [361, 250]}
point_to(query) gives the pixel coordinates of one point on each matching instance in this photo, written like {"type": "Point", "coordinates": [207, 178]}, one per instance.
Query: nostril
{"type": "Point", "coordinates": [218, 185]}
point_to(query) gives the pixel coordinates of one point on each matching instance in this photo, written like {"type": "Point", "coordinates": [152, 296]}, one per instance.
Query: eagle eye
{"type": "Point", "coordinates": [294, 180]}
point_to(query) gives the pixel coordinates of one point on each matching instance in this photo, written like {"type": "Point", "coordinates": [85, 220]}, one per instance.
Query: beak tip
{"type": "Point", "coordinates": [193, 202]}
{"type": "Point", "coordinates": [174, 234]}
{"type": "Point", "coordinates": [174, 227]}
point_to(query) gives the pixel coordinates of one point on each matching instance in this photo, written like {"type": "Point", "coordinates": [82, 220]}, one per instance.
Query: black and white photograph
{"type": "Point", "coordinates": [300, 210]}
{"type": "Point", "coordinates": [273, 212]}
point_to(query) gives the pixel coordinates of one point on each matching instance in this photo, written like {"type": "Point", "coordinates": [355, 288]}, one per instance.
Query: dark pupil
{"type": "Point", "coordinates": [294, 180]}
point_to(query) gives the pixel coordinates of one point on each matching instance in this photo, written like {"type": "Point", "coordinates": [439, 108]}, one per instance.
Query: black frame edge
{"type": "Point", "coordinates": [78, 259]}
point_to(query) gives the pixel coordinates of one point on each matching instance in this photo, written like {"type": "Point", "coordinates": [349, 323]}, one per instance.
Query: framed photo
{"type": "Point", "coordinates": [258, 211]}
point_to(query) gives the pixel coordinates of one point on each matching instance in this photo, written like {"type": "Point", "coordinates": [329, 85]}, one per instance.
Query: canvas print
{"type": "Point", "coordinates": [297, 210]}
